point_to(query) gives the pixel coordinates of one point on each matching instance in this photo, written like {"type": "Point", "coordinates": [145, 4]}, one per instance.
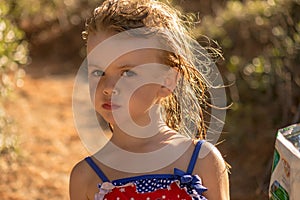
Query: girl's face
{"type": "Point", "coordinates": [127, 85]}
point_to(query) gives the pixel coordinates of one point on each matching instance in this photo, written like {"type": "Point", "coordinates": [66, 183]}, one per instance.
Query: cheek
{"type": "Point", "coordinates": [145, 95]}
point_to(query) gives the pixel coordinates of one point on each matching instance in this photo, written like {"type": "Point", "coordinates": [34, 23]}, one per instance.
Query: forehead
{"type": "Point", "coordinates": [104, 48]}
{"type": "Point", "coordinates": [95, 39]}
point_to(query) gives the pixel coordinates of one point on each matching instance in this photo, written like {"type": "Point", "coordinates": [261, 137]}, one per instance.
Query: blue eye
{"type": "Point", "coordinates": [128, 73]}
{"type": "Point", "coordinates": [97, 73]}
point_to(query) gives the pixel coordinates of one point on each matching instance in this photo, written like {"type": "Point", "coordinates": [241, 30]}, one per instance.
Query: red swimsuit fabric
{"type": "Point", "coordinates": [129, 192]}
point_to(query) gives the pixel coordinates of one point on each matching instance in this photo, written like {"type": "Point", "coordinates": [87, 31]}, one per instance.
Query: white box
{"type": "Point", "coordinates": [285, 177]}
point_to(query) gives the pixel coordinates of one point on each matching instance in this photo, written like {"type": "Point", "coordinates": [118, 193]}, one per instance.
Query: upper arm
{"type": "Point", "coordinates": [78, 182]}
{"type": "Point", "coordinates": [214, 173]}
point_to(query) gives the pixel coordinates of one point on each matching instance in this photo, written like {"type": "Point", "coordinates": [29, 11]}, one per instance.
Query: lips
{"type": "Point", "coordinates": [110, 106]}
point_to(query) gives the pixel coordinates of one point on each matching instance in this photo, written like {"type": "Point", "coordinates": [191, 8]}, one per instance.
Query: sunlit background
{"type": "Point", "coordinates": [41, 49]}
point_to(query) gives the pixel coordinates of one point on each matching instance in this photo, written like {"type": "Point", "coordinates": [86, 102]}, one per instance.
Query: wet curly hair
{"type": "Point", "coordinates": [187, 108]}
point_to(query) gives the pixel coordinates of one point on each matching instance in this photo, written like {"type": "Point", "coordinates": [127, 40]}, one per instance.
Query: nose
{"type": "Point", "coordinates": [108, 92]}
{"type": "Point", "coordinates": [108, 87]}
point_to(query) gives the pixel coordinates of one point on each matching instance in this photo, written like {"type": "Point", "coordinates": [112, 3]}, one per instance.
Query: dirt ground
{"type": "Point", "coordinates": [48, 145]}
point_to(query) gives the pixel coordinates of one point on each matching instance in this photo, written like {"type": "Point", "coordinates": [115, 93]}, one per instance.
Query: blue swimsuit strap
{"type": "Point", "coordinates": [194, 157]}
{"type": "Point", "coordinates": [190, 169]}
{"type": "Point", "coordinates": [98, 171]}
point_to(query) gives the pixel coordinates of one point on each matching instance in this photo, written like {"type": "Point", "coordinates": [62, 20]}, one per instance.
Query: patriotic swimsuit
{"type": "Point", "coordinates": [180, 185]}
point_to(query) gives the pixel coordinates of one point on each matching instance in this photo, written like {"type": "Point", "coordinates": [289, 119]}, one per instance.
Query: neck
{"type": "Point", "coordinates": [142, 139]}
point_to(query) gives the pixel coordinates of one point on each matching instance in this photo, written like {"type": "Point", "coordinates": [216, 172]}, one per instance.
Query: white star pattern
{"type": "Point", "coordinates": [151, 184]}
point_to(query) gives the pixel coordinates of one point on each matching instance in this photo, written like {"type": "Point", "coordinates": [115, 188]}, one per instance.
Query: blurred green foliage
{"type": "Point", "coordinates": [13, 51]}
{"type": "Point", "coordinates": [261, 43]}
{"type": "Point", "coordinates": [14, 54]}
{"type": "Point", "coordinates": [260, 40]}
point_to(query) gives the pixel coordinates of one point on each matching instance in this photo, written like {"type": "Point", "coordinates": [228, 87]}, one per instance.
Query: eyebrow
{"type": "Point", "coordinates": [126, 66]}
{"type": "Point", "coordinates": [120, 67]}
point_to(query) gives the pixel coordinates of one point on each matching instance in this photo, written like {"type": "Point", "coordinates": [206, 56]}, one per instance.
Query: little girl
{"type": "Point", "coordinates": [148, 86]}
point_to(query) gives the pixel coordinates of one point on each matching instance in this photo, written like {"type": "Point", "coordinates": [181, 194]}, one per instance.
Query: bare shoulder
{"type": "Point", "coordinates": [79, 179]}
{"type": "Point", "coordinates": [210, 156]}
{"type": "Point", "coordinates": [79, 171]}
{"type": "Point", "coordinates": [212, 169]}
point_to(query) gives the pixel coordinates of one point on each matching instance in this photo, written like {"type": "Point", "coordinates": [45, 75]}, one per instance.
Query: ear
{"type": "Point", "coordinates": [169, 83]}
